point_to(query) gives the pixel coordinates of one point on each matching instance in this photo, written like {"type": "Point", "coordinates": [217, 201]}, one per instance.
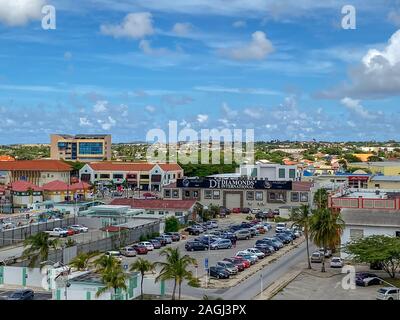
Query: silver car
{"type": "Point", "coordinates": [388, 293]}
{"type": "Point", "coordinates": [228, 266]}
{"type": "Point", "coordinates": [243, 234]}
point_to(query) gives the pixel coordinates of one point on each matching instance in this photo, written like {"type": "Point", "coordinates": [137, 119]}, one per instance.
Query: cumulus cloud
{"type": "Point", "coordinates": [354, 106]}
{"type": "Point", "coordinates": [84, 122]}
{"type": "Point", "coordinates": [202, 118]}
{"type": "Point", "coordinates": [145, 46]}
{"type": "Point", "coordinates": [182, 28]}
{"type": "Point", "coordinates": [377, 75]}
{"type": "Point", "coordinates": [100, 106]}
{"type": "Point", "coordinates": [107, 124]}
{"type": "Point", "coordinates": [135, 25]}
{"type": "Point", "coordinates": [20, 12]}
{"type": "Point", "coordinates": [253, 113]}
{"type": "Point", "coordinates": [257, 49]}
{"type": "Point", "coordinates": [239, 24]}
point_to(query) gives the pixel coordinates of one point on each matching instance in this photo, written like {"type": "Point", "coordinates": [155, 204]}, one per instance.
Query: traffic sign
{"type": "Point", "coordinates": [126, 266]}
{"type": "Point", "coordinates": [206, 263]}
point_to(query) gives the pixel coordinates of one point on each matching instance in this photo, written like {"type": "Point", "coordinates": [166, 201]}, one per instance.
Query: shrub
{"type": "Point", "coordinates": [143, 238]}
{"type": "Point", "coordinates": [171, 224]}
{"type": "Point", "coordinates": [155, 234]}
{"type": "Point", "coordinates": [280, 219]}
{"type": "Point", "coordinates": [194, 282]}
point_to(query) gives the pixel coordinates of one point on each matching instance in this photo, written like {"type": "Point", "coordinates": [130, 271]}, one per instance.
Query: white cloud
{"type": "Point", "coordinates": [84, 122]}
{"type": "Point", "coordinates": [107, 125]}
{"type": "Point", "coordinates": [257, 49]}
{"type": "Point", "coordinates": [100, 106]}
{"type": "Point", "coordinates": [377, 76]}
{"type": "Point", "coordinates": [394, 17]}
{"type": "Point", "coordinates": [239, 24]}
{"type": "Point", "coordinates": [354, 106]}
{"type": "Point", "coordinates": [182, 28]}
{"type": "Point", "coordinates": [20, 12]}
{"type": "Point", "coordinates": [202, 118]}
{"type": "Point", "coordinates": [227, 111]}
{"type": "Point", "coordinates": [252, 113]}
{"type": "Point", "coordinates": [150, 108]}
{"type": "Point", "coordinates": [257, 91]}
{"type": "Point", "coordinates": [135, 25]}
{"type": "Point", "coordinates": [145, 46]}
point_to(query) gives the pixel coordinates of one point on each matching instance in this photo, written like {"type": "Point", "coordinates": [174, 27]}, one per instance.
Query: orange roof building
{"type": "Point", "coordinates": [6, 158]}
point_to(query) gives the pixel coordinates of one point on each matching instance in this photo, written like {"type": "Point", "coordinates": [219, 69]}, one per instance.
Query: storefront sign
{"type": "Point", "coordinates": [220, 183]}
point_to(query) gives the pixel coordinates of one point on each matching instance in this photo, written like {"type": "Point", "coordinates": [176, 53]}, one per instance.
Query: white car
{"type": "Point", "coordinates": [128, 252]}
{"type": "Point", "coordinates": [280, 227]}
{"type": "Point", "coordinates": [256, 252]}
{"type": "Point", "coordinates": [246, 253]}
{"type": "Point", "coordinates": [388, 293]}
{"type": "Point", "coordinates": [149, 246]}
{"type": "Point", "coordinates": [79, 228]}
{"type": "Point", "coordinates": [115, 254]}
{"type": "Point", "coordinates": [328, 252]}
{"type": "Point", "coordinates": [337, 262]}
{"type": "Point", "coordinates": [57, 232]}
{"type": "Point", "coordinates": [255, 210]}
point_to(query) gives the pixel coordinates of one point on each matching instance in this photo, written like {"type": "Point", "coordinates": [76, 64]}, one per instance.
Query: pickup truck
{"type": "Point", "coordinates": [57, 232]}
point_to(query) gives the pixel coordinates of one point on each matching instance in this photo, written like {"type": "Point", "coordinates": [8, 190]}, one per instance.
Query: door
{"type": "Point", "coordinates": [233, 200]}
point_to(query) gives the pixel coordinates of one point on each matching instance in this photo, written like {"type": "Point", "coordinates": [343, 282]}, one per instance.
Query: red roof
{"type": "Point", "coordinates": [132, 166]}
{"type": "Point", "coordinates": [56, 185]}
{"type": "Point", "coordinates": [23, 186]}
{"type": "Point", "coordinates": [35, 165]}
{"type": "Point", "coordinates": [301, 185]}
{"type": "Point", "coordinates": [6, 158]}
{"type": "Point", "coordinates": [113, 229]}
{"type": "Point", "coordinates": [155, 203]}
{"type": "Point", "coordinates": [80, 186]}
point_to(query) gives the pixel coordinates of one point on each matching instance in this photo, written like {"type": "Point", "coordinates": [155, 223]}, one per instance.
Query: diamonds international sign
{"type": "Point", "coordinates": [233, 183]}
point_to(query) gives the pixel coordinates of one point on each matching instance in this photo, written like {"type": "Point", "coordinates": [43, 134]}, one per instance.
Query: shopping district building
{"type": "Point", "coordinates": [144, 176]}
{"type": "Point", "coordinates": [83, 147]}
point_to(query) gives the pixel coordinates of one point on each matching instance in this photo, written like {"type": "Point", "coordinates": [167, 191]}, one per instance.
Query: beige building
{"type": "Point", "coordinates": [38, 172]}
{"type": "Point", "coordinates": [384, 182]}
{"type": "Point", "coordinates": [84, 147]}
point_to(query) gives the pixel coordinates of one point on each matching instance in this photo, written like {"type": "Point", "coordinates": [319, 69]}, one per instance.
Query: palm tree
{"type": "Point", "coordinates": [301, 217]}
{"type": "Point", "coordinates": [81, 261]}
{"type": "Point", "coordinates": [326, 228]}
{"type": "Point", "coordinates": [38, 246]}
{"type": "Point", "coordinates": [105, 262]}
{"type": "Point", "coordinates": [69, 243]}
{"type": "Point", "coordinates": [175, 267]}
{"type": "Point", "coordinates": [30, 193]}
{"type": "Point", "coordinates": [113, 277]}
{"type": "Point", "coordinates": [143, 266]}
{"type": "Point", "coordinates": [321, 198]}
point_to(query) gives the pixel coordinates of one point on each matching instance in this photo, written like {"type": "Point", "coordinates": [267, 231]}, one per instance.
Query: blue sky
{"type": "Point", "coordinates": [285, 68]}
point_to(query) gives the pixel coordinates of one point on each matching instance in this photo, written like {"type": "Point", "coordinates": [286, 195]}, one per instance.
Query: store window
{"type": "Point", "coordinates": [303, 197]}
{"type": "Point", "coordinates": [259, 196]}
{"type": "Point", "coordinates": [175, 193]}
{"type": "Point", "coordinates": [207, 194]}
{"type": "Point", "coordinates": [216, 194]}
{"type": "Point", "coordinates": [282, 173]}
{"type": "Point", "coordinates": [187, 194]}
{"type": "Point", "coordinates": [277, 196]}
{"type": "Point", "coordinates": [292, 173]}
{"type": "Point", "coordinates": [196, 194]}
{"type": "Point", "coordinates": [250, 195]}
{"type": "Point", "coordinates": [294, 197]}
{"type": "Point", "coordinates": [167, 193]}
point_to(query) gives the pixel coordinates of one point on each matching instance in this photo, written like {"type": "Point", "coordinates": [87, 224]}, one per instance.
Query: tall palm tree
{"type": "Point", "coordinates": [326, 228]}
{"type": "Point", "coordinates": [113, 277]}
{"type": "Point", "coordinates": [81, 261]}
{"type": "Point", "coordinates": [175, 267]}
{"type": "Point", "coordinates": [143, 266]}
{"type": "Point", "coordinates": [321, 198]}
{"type": "Point", "coordinates": [38, 246]}
{"type": "Point", "coordinates": [105, 262]}
{"type": "Point", "coordinates": [301, 217]}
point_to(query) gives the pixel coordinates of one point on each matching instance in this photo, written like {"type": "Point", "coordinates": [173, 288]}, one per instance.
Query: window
{"type": "Point", "coordinates": [377, 185]}
{"type": "Point", "coordinates": [250, 195]}
{"type": "Point", "coordinates": [356, 234]}
{"type": "Point", "coordinates": [95, 176]}
{"type": "Point", "coordinates": [178, 214]}
{"type": "Point", "coordinates": [259, 195]}
{"type": "Point", "coordinates": [91, 148]}
{"type": "Point", "coordinates": [187, 194]}
{"type": "Point", "coordinates": [216, 194]}
{"type": "Point", "coordinates": [104, 176]}
{"type": "Point", "coordinates": [207, 194]}
{"type": "Point", "coordinates": [150, 212]}
{"type": "Point", "coordinates": [144, 176]}
{"type": "Point", "coordinates": [303, 197]}
{"type": "Point", "coordinates": [167, 193]}
{"type": "Point", "coordinates": [282, 173]}
{"type": "Point", "coordinates": [118, 176]}
{"type": "Point", "coordinates": [196, 194]}
{"type": "Point", "coordinates": [292, 173]}
{"type": "Point", "coordinates": [161, 213]}
{"type": "Point", "coordinates": [175, 193]}
{"type": "Point", "coordinates": [294, 197]}
{"type": "Point", "coordinates": [277, 196]}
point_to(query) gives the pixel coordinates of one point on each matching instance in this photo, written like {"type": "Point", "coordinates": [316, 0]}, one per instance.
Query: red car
{"type": "Point", "coordinates": [70, 232]}
{"type": "Point", "coordinates": [140, 249]}
{"type": "Point", "coordinates": [246, 264]}
{"type": "Point", "coordinates": [236, 210]}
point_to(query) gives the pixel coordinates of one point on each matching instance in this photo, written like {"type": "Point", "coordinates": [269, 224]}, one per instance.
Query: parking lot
{"type": "Point", "coordinates": [4, 294]}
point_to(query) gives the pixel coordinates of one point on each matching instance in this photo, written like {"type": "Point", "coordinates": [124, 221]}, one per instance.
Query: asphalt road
{"type": "Point", "coordinates": [38, 295]}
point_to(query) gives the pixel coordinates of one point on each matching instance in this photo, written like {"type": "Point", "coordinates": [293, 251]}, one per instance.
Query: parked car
{"type": "Point", "coordinates": [276, 241]}
{"type": "Point", "coordinates": [156, 244]}
{"type": "Point", "coordinates": [285, 239]}
{"type": "Point", "coordinates": [128, 252]}
{"type": "Point", "coordinates": [237, 263]}
{"type": "Point", "coordinates": [218, 272]}
{"type": "Point", "coordinates": [316, 257]}
{"type": "Point", "coordinates": [275, 212]}
{"type": "Point", "coordinates": [228, 266]}
{"type": "Point", "coordinates": [140, 249]}
{"type": "Point", "coordinates": [243, 234]}
{"type": "Point", "coordinates": [79, 228]}
{"type": "Point", "coordinates": [269, 243]}
{"type": "Point", "coordinates": [22, 294]}
{"type": "Point", "coordinates": [255, 210]}
{"type": "Point", "coordinates": [289, 233]}
{"type": "Point", "coordinates": [265, 249]}
{"type": "Point", "coordinates": [161, 240]}
{"type": "Point", "coordinates": [57, 232]}
{"type": "Point", "coordinates": [236, 210]}
{"type": "Point", "coordinates": [246, 210]}
{"type": "Point", "coordinates": [246, 263]}
{"type": "Point", "coordinates": [245, 225]}
{"type": "Point", "coordinates": [256, 252]}
{"type": "Point", "coordinates": [328, 252]}
{"type": "Point", "coordinates": [149, 246]}
{"type": "Point", "coordinates": [365, 279]}
{"type": "Point", "coordinates": [253, 232]}
{"type": "Point", "coordinates": [252, 257]}
{"type": "Point", "coordinates": [208, 239]}
{"type": "Point", "coordinates": [280, 226]}
{"type": "Point", "coordinates": [221, 244]}
{"type": "Point", "coordinates": [388, 293]}
{"type": "Point", "coordinates": [167, 238]}
{"type": "Point", "coordinates": [195, 246]}
{"type": "Point", "coordinates": [193, 231]}
{"type": "Point", "coordinates": [336, 262]}
{"type": "Point", "coordinates": [176, 236]}
{"type": "Point", "coordinates": [229, 235]}
{"type": "Point", "coordinates": [115, 254]}
{"type": "Point", "coordinates": [70, 232]}
{"type": "Point", "coordinates": [261, 215]}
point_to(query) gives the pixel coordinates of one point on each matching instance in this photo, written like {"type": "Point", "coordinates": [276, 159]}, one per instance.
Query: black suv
{"type": "Point", "coordinates": [195, 246]}
{"type": "Point", "coordinates": [193, 231]}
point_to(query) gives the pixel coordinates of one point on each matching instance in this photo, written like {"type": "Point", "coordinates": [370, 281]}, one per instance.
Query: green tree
{"type": "Point", "coordinates": [376, 249]}
{"type": "Point", "coordinates": [113, 277]}
{"type": "Point", "coordinates": [142, 265]}
{"type": "Point", "coordinates": [37, 247]}
{"type": "Point", "coordinates": [172, 224]}
{"type": "Point", "coordinates": [175, 268]}
{"type": "Point", "coordinates": [326, 228]}
{"type": "Point", "coordinates": [351, 158]}
{"type": "Point", "coordinates": [82, 261]}
{"type": "Point", "coordinates": [105, 262]}
{"type": "Point", "coordinates": [301, 217]}
{"type": "Point", "coordinates": [321, 199]}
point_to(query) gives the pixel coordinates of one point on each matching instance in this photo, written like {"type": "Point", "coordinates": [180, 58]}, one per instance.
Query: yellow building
{"type": "Point", "coordinates": [387, 168]}
{"type": "Point", "coordinates": [384, 182]}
